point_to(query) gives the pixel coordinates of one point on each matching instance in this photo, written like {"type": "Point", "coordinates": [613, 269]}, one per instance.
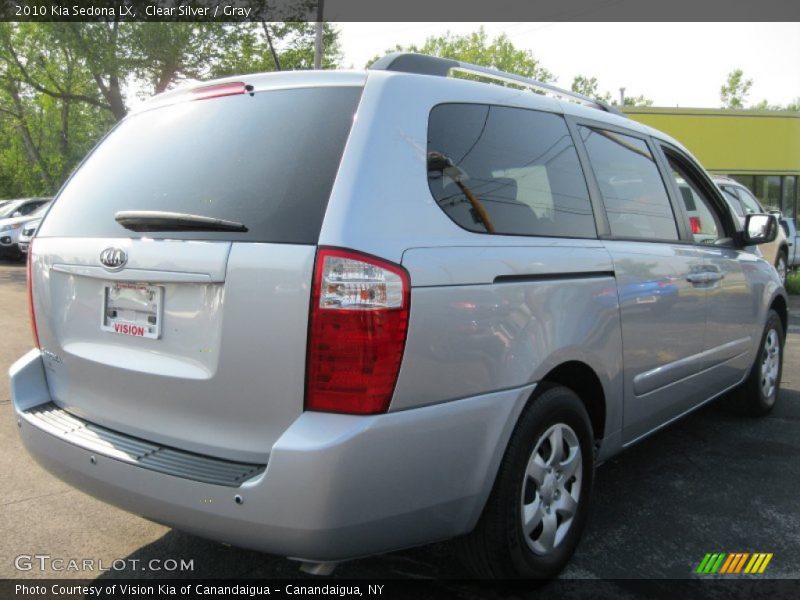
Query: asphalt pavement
{"type": "Point", "coordinates": [714, 482]}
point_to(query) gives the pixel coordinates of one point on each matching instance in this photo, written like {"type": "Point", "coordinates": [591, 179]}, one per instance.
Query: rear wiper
{"type": "Point", "coordinates": [156, 220]}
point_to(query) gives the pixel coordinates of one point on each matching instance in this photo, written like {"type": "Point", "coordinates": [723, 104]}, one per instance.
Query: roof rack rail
{"type": "Point", "coordinates": [422, 64]}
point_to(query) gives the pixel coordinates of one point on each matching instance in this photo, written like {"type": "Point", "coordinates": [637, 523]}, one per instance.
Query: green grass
{"type": "Point", "coordinates": [793, 283]}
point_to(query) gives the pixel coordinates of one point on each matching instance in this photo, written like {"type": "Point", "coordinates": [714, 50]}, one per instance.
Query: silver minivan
{"type": "Point", "coordinates": [332, 314]}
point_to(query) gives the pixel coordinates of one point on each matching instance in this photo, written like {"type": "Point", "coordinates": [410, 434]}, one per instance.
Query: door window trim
{"type": "Point", "coordinates": [703, 182]}
{"type": "Point", "coordinates": [596, 195]}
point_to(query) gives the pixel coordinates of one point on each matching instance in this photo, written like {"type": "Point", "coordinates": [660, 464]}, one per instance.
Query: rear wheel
{"type": "Point", "coordinates": [534, 517]}
{"type": "Point", "coordinates": [757, 395]}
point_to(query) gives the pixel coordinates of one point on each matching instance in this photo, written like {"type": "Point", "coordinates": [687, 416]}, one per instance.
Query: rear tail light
{"type": "Point", "coordinates": [357, 332]}
{"type": "Point", "coordinates": [31, 312]}
{"type": "Point", "coordinates": [694, 222]}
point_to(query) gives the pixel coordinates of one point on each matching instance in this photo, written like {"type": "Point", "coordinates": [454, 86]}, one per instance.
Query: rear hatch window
{"type": "Point", "coordinates": [267, 160]}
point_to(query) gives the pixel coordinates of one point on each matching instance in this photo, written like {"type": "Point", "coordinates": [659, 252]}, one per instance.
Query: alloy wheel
{"type": "Point", "coordinates": [551, 488]}
{"type": "Point", "coordinates": [770, 364]}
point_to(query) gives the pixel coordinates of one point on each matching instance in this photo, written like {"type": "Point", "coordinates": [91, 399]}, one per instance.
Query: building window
{"type": "Point", "coordinates": [774, 191]}
{"type": "Point", "coordinates": [768, 190]}
{"type": "Point", "coordinates": [789, 196]}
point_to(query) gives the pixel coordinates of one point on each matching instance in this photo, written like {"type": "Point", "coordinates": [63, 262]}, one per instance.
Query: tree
{"type": "Point", "coordinates": [499, 53]}
{"type": "Point", "coordinates": [735, 90]}
{"type": "Point", "coordinates": [62, 85]}
{"type": "Point", "coordinates": [263, 46]}
{"type": "Point", "coordinates": [149, 57]}
{"type": "Point", "coordinates": [588, 86]}
{"type": "Point", "coordinates": [793, 106]}
{"type": "Point", "coordinates": [764, 105]}
{"type": "Point", "coordinates": [47, 127]}
{"type": "Point", "coordinates": [636, 101]}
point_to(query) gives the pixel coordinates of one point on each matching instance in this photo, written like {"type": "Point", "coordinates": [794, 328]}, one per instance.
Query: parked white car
{"type": "Point", "coordinates": [790, 230]}
{"type": "Point", "coordinates": [743, 203]}
{"type": "Point", "coordinates": [27, 231]}
{"type": "Point", "coordinates": [11, 227]}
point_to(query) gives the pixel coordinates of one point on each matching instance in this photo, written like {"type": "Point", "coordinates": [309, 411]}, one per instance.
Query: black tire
{"type": "Point", "coordinates": [782, 265]}
{"type": "Point", "coordinates": [750, 398]}
{"type": "Point", "coordinates": [497, 548]}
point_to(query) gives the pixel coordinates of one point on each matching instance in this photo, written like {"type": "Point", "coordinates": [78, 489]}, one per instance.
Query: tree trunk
{"type": "Point", "coordinates": [271, 47]}
{"type": "Point", "coordinates": [34, 156]}
{"type": "Point", "coordinates": [65, 159]}
{"type": "Point", "coordinates": [165, 78]}
{"type": "Point", "coordinates": [111, 92]}
{"type": "Point", "coordinates": [115, 100]}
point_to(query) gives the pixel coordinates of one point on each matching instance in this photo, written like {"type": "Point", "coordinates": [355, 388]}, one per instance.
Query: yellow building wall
{"type": "Point", "coordinates": [732, 141]}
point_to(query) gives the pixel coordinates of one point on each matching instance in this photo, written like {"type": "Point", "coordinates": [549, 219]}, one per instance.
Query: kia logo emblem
{"type": "Point", "coordinates": [113, 258]}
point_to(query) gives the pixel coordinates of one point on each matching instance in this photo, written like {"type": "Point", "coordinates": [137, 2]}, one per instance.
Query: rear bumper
{"type": "Point", "coordinates": [336, 486]}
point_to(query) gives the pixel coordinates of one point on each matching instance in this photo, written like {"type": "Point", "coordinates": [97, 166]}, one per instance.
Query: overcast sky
{"type": "Point", "coordinates": [674, 64]}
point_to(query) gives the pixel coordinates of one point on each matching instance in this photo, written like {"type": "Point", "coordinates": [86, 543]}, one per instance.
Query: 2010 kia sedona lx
{"type": "Point", "coordinates": [332, 314]}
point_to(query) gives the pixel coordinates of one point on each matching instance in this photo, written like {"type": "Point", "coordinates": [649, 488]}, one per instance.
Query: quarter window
{"type": "Point", "coordinates": [507, 171]}
{"type": "Point", "coordinates": [633, 192]}
{"type": "Point", "coordinates": [704, 223]}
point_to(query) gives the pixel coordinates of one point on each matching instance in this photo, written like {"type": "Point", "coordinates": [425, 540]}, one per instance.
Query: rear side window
{"type": "Point", "coordinates": [22, 207]}
{"type": "Point", "coordinates": [266, 160]}
{"type": "Point", "coordinates": [29, 208]}
{"type": "Point", "coordinates": [733, 200]}
{"type": "Point", "coordinates": [748, 200]}
{"type": "Point", "coordinates": [507, 171]}
{"type": "Point", "coordinates": [633, 191]}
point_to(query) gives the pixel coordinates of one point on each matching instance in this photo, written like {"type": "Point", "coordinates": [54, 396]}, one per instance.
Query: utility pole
{"type": "Point", "coordinates": [622, 96]}
{"type": "Point", "coordinates": [318, 37]}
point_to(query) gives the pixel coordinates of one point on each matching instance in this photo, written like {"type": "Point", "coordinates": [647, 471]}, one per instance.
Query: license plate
{"type": "Point", "coordinates": [132, 309]}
